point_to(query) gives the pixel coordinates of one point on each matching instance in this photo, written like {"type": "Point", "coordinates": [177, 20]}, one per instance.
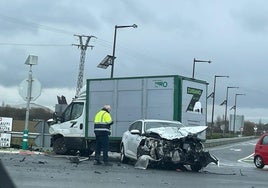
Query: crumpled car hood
{"type": "Point", "coordinates": [171, 133]}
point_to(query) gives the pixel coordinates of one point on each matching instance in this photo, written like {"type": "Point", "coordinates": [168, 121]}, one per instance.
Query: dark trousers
{"type": "Point", "coordinates": [102, 144]}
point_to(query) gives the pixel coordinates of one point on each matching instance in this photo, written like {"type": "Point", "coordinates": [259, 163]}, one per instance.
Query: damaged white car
{"type": "Point", "coordinates": [161, 142]}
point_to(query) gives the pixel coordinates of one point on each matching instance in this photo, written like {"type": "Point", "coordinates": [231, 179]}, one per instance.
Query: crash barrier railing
{"type": "Point", "coordinates": [43, 139]}
{"type": "Point", "coordinates": [30, 135]}
{"type": "Point", "coordinates": [40, 139]}
{"type": "Point", "coordinates": [207, 143]}
{"type": "Point", "coordinates": [40, 136]}
{"type": "Point", "coordinates": [225, 141]}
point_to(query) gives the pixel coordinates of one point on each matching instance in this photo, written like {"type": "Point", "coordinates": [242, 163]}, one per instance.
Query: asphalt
{"type": "Point", "coordinates": [114, 155]}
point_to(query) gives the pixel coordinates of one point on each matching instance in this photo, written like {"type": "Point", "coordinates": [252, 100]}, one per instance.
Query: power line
{"type": "Point", "coordinates": [101, 42]}
{"type": "Point", "coordinates": [24, 44]}
{"type": "Point", "coordinates": [34, 25]}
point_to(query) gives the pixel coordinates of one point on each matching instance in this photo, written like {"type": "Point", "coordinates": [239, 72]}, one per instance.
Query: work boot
{"type": "Point", "coordinates": [108, 164]}
{"type": "Point", "coordinates": [96, 162]}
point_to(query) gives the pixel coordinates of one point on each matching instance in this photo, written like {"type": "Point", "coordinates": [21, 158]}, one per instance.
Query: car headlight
{"type": "Point", "coordinates": [51, 130]}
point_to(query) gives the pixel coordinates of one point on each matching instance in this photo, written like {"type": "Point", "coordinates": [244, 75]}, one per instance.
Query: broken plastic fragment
{"type": "Point", "coordinates": [143, 162]}
{"type": "Point", "coordinates": [77, 159]}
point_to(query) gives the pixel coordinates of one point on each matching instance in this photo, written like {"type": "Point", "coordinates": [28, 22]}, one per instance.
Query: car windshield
{"type": "Point", "coordinates": [149, 125]}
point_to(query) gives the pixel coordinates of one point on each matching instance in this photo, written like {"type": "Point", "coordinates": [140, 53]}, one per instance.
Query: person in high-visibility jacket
{"type": "Point", "coordinates": [102, 129]}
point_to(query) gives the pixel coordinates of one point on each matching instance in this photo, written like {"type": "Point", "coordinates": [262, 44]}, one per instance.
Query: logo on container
{"type": "Point", "coordinates": [160, 83]}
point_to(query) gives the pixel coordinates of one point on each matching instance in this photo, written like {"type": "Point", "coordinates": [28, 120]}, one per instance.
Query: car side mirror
{"type": "Point", "coordinates": [58, 118]}
{"type": "Point", "coordinates": [135, 131]}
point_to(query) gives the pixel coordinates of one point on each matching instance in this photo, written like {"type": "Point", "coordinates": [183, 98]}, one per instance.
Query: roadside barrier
{"type": "Point", "coordinates": [207, 143]}
{"type": "Point", "coordinates": [225, 141]}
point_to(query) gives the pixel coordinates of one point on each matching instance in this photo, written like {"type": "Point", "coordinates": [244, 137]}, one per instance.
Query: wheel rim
{"type": "Point", "coordinates": [258, 161]}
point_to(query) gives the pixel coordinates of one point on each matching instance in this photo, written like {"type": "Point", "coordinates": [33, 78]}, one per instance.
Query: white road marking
{"type": "Point", "coordinates": [233, 149]}
{"type": "Point", "coordinates": [247, 159]}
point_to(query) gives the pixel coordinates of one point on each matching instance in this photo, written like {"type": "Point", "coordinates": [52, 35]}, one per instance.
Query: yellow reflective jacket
{"type": "Point", "coordinates": [103, 121]}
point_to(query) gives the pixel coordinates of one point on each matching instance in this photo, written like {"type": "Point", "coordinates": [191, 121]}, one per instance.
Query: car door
{"type": "Point", "coordinates": [134, 139]}
{"type": "Point", "coordinates": [264, 149]}
{"type": "Point", "coordinates": [72, 119]}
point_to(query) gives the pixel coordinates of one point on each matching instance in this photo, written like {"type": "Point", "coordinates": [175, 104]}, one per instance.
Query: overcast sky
{"type": "Point", "coordinates": [170, 34]}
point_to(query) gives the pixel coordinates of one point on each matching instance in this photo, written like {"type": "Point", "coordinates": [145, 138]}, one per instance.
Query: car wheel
{"type": "Point", "coordinates": [258, 162]}
{"type": "Point", "coordinates": [196, 167]}
{"type": "Point", "coordinates": [123, 158]}
{"type": "Point", "coordinates": [59, 146]}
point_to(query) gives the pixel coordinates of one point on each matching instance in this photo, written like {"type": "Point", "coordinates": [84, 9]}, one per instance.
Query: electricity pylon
{"type": "Point", "coordinates": [83, 48]}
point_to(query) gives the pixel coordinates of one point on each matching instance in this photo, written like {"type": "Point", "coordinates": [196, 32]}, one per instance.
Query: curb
{"type": "Point", "coordinates": [22, 152]}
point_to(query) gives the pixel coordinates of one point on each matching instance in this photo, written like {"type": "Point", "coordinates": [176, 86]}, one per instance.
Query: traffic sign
{"type": "Point", "coordinates": [36, 89]}
{"type": "Point", "coordinates": [255, 129]}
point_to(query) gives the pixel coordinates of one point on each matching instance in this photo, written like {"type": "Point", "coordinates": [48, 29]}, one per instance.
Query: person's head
{"type": "Point", "coordinates": [107, 107]}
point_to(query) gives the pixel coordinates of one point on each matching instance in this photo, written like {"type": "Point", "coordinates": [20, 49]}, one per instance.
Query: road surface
{"type": "Point", "coordinates": [236, 170]}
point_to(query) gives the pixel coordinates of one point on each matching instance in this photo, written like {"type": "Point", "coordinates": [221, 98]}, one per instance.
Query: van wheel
{"type": "Point", "coordinates": [258, 162]}
{"type": "Point", "coordinates": [123, 158]}
{"type": "Point", "coordinates": [59, 146]}
{"type": "Point", "coordinates": [91, 147]}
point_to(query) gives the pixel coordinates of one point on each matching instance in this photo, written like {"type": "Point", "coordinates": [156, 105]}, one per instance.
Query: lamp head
{"type": "Point", "coordinates": [221, 76]}
{"type": "Point", "coordinates": [134, 26]}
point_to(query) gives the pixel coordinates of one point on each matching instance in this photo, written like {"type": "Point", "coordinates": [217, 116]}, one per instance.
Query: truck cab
{"type": "Point", "coordinates": [67, 129]}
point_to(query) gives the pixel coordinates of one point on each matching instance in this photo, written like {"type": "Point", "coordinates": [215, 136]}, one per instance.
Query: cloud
{"type": "Point", "coordinates": [9, 95]}
{"type": "Point", "coordinates": [48, 97]}
{"type": "Point", "coordinates": [252, 16]}
{"type": "Point", "coordinates": [169, 35]}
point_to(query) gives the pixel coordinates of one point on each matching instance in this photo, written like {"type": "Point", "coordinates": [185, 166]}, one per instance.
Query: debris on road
{"type": "Point", "coordinates": [97, 172]}
{"type": "Point", "coordinates": [22, 159]}
{"type": "Point", "coordinates": [77, 159]}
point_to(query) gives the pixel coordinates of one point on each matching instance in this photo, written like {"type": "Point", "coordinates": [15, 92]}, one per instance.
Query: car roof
{"type": "Point", "coordinates": [261, 136]}
{"type": "Point", "coordinates": [264, 134]}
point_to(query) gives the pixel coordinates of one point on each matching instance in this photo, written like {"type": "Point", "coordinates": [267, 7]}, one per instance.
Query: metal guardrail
{"type": "Point", "coordinates": [225, 141]}
{"type": "Point", "coordinates": [16, 134]}
{"type": "Point", "coordinates": [207, 143]}
{"type": "Point", "coordinates": [41, 135]}
{"type": "Point", "coordinates": [40, 139]}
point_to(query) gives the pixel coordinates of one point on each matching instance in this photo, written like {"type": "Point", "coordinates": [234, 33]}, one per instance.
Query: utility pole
{"type": "Point", "coordinates": [83, 48]}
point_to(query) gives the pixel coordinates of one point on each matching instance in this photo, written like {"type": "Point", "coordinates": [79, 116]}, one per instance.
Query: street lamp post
{"type": "Point", "coordinates": [31, 60]}
{"type": "Point", "coordinates": [198, 61]}
{"type": "Point", "coordinates": [213, 101]}
{"type": "Point", "coordinates": [226, 104]}
{"type": "Point", "coordinates": [235, 108]}
{"type": "Point", "coordinates": [113, 56]}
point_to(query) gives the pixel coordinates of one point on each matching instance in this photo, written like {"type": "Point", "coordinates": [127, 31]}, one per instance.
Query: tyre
{"type": "Point", "coordinates": [123, 158]}
{"type": "Point", "coordinates": [91, 148]}
{"type": "Point", "coordinates": [196, 167]}
{"type": "Point", "coordinates": [59, 146]}
{"type": "Point", "coordinates": [258, 162]}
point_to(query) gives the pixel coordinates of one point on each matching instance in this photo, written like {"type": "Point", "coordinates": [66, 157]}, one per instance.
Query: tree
{"type": "Point", "coordinates": [248, 128]}
{"type": "Point", "coordinates": [19, 114]}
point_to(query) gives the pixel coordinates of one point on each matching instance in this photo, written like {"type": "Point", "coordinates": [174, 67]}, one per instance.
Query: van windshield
{"type": "Point", "coordinates": [73, 111]}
